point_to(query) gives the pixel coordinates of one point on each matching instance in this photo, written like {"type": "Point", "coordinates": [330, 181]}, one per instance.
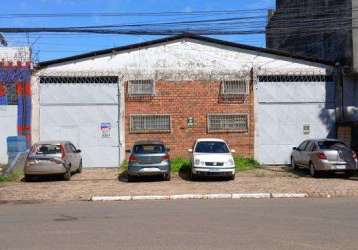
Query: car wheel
{"type": "Point", "coordinates": [348, 174]}
{"type": "Point", "coordinates": [28, 178]}
{"type": "Point", "coordinates": [130, 178]}
{"type": "Point", "coordinates": [232, 177]}
{"type": "Point", "coordinates": [313, 172]}
{"type": "Point", "coordinates": [67, 175]}
{"type": "Point", "coordinates": [167, 177]}
{"type": "Point", "coordinates": [293, 164]}
{"type": "Point", "coordinates": [80, 168]}
{"type": "Point", "coordinates": [192, 176]}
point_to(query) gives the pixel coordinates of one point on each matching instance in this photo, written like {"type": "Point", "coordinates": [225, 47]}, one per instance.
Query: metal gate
{"type": "Point", "coordinates": [289, 112]}
{"type": "Point", "coordinates": [85, 111]}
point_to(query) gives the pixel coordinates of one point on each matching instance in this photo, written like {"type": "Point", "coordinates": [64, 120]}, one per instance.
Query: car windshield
{"type": "Point", "coordinates": [330, 144]}
{"type": "Point", "coordinates": [149, 149]}
{"type": "Point", "coordinates": [211, 147]}
{"type": "Point", "coordinates": [47, 149]}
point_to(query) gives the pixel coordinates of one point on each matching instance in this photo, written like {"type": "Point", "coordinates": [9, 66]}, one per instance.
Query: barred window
{"type": "Point", "coordinates": [141, 88]}
{"type": "Point", "coordinates": [228, 123]}
{"type": "Point", "coordinates": [11, 93]}
{"type": "Point", "coordinates": [235, 87]}
{"type": "Point", "coordinates": [149, 123]}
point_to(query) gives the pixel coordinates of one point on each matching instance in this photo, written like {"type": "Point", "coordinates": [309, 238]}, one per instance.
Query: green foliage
{"type": "Point", "coordinates": [124, 165]}
{"type": "Point", "coordinates": [180, 164]}
{"type": "Point", "coordinates": [245, 164]}
{"type": "Point", "coordinates": [183, 164]}
{"type": "Point", "coordinates": [15, 176]}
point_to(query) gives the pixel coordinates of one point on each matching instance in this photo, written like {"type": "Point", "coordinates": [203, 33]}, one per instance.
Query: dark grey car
{"type": "Point", "coordinates": [149, 158]}
{"type": "Point", "coordinates": [323, 156]}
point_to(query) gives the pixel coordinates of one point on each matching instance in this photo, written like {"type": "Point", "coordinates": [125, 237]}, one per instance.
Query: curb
{"type": "Point", "coordinates": [200, 196]}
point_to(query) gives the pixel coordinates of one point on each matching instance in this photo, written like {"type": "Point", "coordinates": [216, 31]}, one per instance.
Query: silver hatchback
{"type": "Point", "coordinates": [149, 158]}
{"type": "Point", "coordinates": [323, 156]}
{"type": "Point", "coordinates": [53, 158]}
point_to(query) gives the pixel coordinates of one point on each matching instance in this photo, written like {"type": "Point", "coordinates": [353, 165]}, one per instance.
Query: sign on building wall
{"type": "Point", "coordinates": [106, 129]}
{"type": "Point", "coordinates": [306, 129]}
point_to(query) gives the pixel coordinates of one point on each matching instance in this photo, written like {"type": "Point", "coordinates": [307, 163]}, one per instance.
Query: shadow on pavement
{"type": "Point", "coordinates": [123, 177]}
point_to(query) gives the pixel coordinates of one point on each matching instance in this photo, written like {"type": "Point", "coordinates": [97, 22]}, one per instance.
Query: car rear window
{"type": "Point", "coordinates": [211, 147]}
{"type": "Point", "coordinates": [46, 149]}
{"type": "Point", "coordinates": [330, 144]}
{"type": "Point", "coordinates": [149, 149]}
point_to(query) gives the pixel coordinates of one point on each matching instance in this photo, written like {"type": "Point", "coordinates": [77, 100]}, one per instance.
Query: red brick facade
{"type": "Point", "coordinates": [183, 99]}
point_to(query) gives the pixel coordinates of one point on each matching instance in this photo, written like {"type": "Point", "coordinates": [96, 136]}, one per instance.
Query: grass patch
{"type": "Point", "coordinates": [180, 164]}
{"type": "Point", "coordinates": [183, 164]}
{"type": "Point", "coordinates": [124, 165]}
{"type": "Point", "coordinates": [15, 176]}
{"type": "Point", "coordinates": [245, 164]}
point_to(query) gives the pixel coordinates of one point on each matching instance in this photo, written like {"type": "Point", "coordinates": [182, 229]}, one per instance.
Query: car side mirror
{"type": "Point", "coordinates": [233, 151]}
{"type": "Point", "coordinates": [168, 149]}
{"type": "Point", "coordinates": [190, 150]}
{"type": "Point", "coordinates": [295, 149]}
{"type": "Point", "coordinates": [128, 150]}
{"type": "Point", "coordinates": [78, 151]}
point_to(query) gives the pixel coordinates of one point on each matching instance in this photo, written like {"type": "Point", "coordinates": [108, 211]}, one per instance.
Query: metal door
{"type": "Point", "coordinates": [87, 114]}
{"type": "Point", "coordinates": [284, 109]}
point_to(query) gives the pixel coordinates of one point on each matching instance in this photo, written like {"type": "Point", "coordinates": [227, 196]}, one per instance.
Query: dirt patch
{"type": "Point", "coordinates": [100, 182]}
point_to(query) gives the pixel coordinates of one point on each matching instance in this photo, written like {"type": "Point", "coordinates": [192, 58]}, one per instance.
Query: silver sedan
{"type": "Point", "coordinates": [53, 157]}
{"type": "Point", "coordinates": [324, 155]}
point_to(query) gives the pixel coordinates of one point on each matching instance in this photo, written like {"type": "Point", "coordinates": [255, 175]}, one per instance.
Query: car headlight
{"type": "Point", "coordinates": [231, 162]}
{"type": "Point", "coordinates": [196, 162]}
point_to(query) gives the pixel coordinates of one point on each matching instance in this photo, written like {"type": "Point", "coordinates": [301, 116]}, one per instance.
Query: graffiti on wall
{"type": "Point", "coordinates": [15, 89]}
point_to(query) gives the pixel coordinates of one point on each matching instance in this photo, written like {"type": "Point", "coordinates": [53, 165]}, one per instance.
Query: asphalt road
{"type": "Point", "coordinates": [195, 224]}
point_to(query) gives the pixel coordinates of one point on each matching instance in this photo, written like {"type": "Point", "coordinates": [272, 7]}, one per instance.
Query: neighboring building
{"type": "Point", "coordinates": [323, 29]}
{"type": "Point", "coordinates": [15, 100]}
{"type": "Point", "coordinates": [177, 89]}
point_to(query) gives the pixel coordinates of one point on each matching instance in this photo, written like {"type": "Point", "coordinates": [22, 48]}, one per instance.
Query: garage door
{"type": "Point", "coordinates": [84, 111]}
{"type": "Point", "coordinates": [289, 112]}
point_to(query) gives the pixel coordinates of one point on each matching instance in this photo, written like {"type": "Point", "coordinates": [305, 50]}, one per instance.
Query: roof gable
{"type": "Point", "coordinates": [179, 37]}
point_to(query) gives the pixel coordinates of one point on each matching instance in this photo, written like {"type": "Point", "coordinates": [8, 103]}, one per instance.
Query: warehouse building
{"type": "Point", "coordinates": [262, 102]}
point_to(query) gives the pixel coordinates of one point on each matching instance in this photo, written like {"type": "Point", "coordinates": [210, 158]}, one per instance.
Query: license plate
{"type": "Point", "coordinates": [150, 169]}
{"type": "Point", "coordinates": [341, 167]}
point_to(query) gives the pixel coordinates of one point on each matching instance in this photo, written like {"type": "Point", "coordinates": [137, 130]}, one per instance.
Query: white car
{"type": "Point", "coordinates": [212, 157]}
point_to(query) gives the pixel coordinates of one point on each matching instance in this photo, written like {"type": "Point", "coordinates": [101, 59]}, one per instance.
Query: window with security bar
{"type": "Point", "coordinates": [235, 87]}
{"type": "Point", "coordinates": [141, 88]}
{"type": "Point", "coordinates": [228, 123]}
{"type": "Point", "coordinates": [150, 123]}
{"type": "Point", "coordinates": [11, 94]}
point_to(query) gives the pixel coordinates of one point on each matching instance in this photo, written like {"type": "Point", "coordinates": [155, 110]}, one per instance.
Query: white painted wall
{"type": "Point", "coordinates": [8, 127]}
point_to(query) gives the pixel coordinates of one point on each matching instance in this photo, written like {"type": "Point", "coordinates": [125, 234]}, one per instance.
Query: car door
{"type": "Point", "coordinates": [306, 153]}
{"type": "Point", "coordinates": [76, 156]}
{"type": "Point", "coordinates": [298, 154]}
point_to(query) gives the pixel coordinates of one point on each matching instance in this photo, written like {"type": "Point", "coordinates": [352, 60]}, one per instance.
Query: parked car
{"type": "Point", "coordinates": [323, 156]}
{"type": "Point", "coordinates": [212, 157]}
{"type": "Point", "coordinates": [149, 158]}
{"type": "Point", "coordinates": [53, 158]}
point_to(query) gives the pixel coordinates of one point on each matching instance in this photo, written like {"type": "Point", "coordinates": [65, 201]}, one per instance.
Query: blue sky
{"type": "Point", "coordinates": [46, 47]}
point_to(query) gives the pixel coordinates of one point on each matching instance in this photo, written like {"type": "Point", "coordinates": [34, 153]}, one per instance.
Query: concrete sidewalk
{"type": "Point", "coordinates": [105, 182]}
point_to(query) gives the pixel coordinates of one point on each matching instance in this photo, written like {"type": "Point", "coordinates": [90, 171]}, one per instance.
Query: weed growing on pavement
{"type": "Point", "coordinates": [180, 164]}
{"type": "Point", "coordinates": [245, 164]}
{"type": "Point", "coordinates": [124, 165]}
{"type": "Point", "coordinates": [15, 176]}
